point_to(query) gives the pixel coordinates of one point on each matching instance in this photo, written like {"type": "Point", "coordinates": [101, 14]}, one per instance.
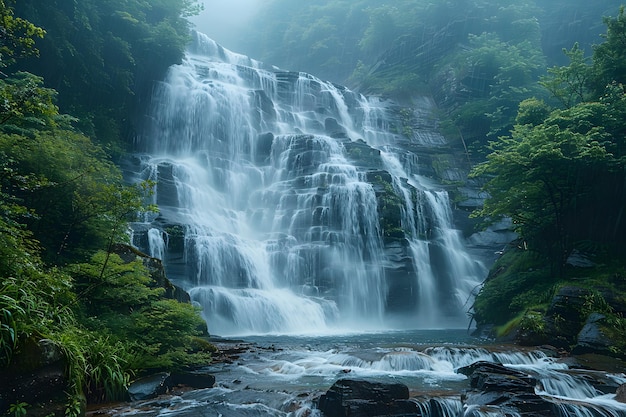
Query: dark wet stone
{"type": "Point", "coordinates": [149, 387]}
{"type": "Point", "coordinates": [357, 397]}
{"type": "Point", "coordinates": [591, 338]}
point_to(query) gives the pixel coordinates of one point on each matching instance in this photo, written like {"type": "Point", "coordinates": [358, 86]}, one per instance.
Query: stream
{"type": "Point", "coordinates": [279, 375]}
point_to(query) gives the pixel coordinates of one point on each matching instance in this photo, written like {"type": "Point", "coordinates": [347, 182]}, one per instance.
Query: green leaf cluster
{"type": "Point", "coordinates": [18, 36]}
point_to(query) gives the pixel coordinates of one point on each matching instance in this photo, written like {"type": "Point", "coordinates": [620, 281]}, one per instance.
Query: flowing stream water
{"type": "Point", "coordinates": [283, 375]}
{"type": "Point", "coordinates": [270, 186]}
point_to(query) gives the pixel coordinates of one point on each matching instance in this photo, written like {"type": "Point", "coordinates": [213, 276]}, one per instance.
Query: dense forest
{"type": "Point", "coordinates": [72, 73]}
{"type": "Point", "coordinates": [545, 129]}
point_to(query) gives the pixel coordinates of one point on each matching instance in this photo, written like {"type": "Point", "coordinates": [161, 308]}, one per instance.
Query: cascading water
{"type": "Point", "coordinates": [269, 208]}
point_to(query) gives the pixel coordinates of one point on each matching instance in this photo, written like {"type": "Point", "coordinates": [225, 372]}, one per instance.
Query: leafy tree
{"type": "Point", "coordinates": [120, 299]}
{"type": "Point", "coordinates": [381, 31]}
{"type": "Point", "coordinates": [108, 285]}
{"type": "Point", "coordinates": [17, 38]}
{"type": "Point", "coordinates": [494, 77]}
{"type": "Point", "coordinates": [80, 202]}
{"type": "Point", "coordinates": [559, 175]}
{"type": "Point", "coordinates": [61, 200]}
{"type": "Point", "coordinates": [544, 178]}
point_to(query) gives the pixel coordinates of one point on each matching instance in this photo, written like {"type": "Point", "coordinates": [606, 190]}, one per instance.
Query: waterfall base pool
{"type": "Point", "coordinates": [280, 375]}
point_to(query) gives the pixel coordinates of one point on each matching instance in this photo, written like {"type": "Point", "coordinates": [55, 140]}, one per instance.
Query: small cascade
{"type": "Point", "coordinates": [459, 357]}
{"type": "Point", "coordinates": [441, 407]}
{"type": "Point", "coordinates": [428, 225]}
{"type": "Point", "coordinates": [574, 395]}
{"type": "Point", "coordinates": [270, 186]}
{"type": "Point", "coordinates": [483, 411]}
{"type": "Point", "coordinates": [157, 243]}
{"type": "Point", "coordinates": [431, 368]}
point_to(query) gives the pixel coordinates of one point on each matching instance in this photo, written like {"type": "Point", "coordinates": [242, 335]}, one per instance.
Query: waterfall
{"type": "Point", "coordinates": [270, 186]}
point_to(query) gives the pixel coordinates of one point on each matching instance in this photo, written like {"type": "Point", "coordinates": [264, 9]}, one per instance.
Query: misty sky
{"type": "Point", "coordinates": [222, 20]}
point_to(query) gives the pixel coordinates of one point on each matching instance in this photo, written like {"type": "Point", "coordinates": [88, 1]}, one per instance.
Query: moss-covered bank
{"type": "Point", "coordinates": [581, 312]}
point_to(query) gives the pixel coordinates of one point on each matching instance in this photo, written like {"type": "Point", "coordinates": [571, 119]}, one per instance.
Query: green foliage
{"type": "Point", "coordinates": [26, 104]}
{"type": "Point", "coordinates": [33, 303]}
{"type": "Point", "coordinates": [532, 112]}
{"type": "Point", "coordinates": [326, 33]}
{"type": "Point", "coordinates": [559, 176]}
{"type": "Point", "coordinates": [519, 281]}
{"type": "Point", "coordinates": [494, 76]}
{"type": "Point", "coordinates": [76, 198]}
{"type": "Point", "coordinates": [97, 365]}
{"type": "Point", "coordinates": [18, 36]}
{"type": "Point", "coordinates": [382, 29]}
{"type": "Point", "coordinates": [570, 84]}
{"type": "Point", "coordinates": [103, 56]}
{"type": "Point", "coordinates": [167, 330]}
{"type": "Point", "coordinates": [18, 409]}
{"type": "Point", "coordinates": [613, 324]}
{"type": "Point", "coordinates": [533, 322]}
{"type": "Point", "coordinates": [609, 58]}
{"type": "Point", "coordinates": [120, 299]}
{"type": "Point", "coordinates": [107, 284]}
{"type": "Point", "coordinates": [62, 201]}
{"type": "Point", "coordinates": [543, 173]}
{"type": "Point", "coordinates": [551, 173]}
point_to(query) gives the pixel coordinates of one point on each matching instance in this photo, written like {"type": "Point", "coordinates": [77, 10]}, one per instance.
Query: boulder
{"type": "Point", "coordinates": [160, 383]}
{"type": "Point", "coordinates": [333, 128]}
{"type": "Point", "coordinates": [565, 317]}
{"type": "Point", "coordinates": [149, 387]}
{"type": "Point", "coordinates": [361, 398]}
{"type": "Point", "coordinates": [509, 390]}
{"type": "Point", "coordinates": [490, 376]}
{"type": "Point", "coordinates": [591, 338]}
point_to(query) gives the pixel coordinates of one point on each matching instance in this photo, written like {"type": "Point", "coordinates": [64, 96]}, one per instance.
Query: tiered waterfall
{"type": "Point", "coordinates": [293, 205]}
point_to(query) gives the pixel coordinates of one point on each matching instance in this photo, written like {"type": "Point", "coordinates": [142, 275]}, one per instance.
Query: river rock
{"type": "Point", "coordinates": [160, 383]}
{"type": "Point", "coordinates": [494, 385]}
{"type": "Point", "coordinates": [361, 398]}
{"type": "Point", "coordinates": [490, 376]}
{"type": "Point", "coordinates": [333, 128]}
{"type": "Point", "coordinates": [620, 394]}
{"type": "Point", "coordinates": [149, 387]}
